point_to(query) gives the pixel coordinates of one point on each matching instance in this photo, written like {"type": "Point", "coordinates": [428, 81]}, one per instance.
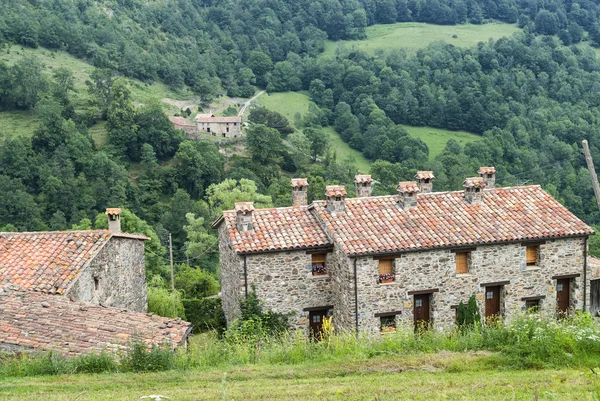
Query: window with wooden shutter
{"type": "Point", "coordinates": [385, 266]}
{"type": "Point", "coordinates": [318, 264]}
{"type": "Point", "coordinates": [531, 255]}
{"type": "Point", "coordinates": [462, 262]}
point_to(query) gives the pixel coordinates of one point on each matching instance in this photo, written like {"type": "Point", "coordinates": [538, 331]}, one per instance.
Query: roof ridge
{"type": "Point", "coordinates": [55, 232]}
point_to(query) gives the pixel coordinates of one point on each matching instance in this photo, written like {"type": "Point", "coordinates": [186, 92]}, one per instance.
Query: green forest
{"type": "Point", "coordinates": [531, 98]}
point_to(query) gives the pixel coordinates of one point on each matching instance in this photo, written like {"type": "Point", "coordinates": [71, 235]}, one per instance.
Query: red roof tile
{"type": "Point", "coordinates": [35, 321]}
{"type": "Point", "coordinates": [363, 178]}
{"type": "Point", "coordinates": [49, 261]}
{"type": "Point", "coordinates": [244, 207]}
{"type": "Point", "coordinates": [299, 182]}
{"type": "Point", "coordinates": [422, 175]}
{"type": "Point", "coordinates": [487, 170]}
{"type": "Point", "coordinates": [408, 186]}
{"type": "Point", "coordinates": [335, 190]}
{"type": "Point", "coordinates": [377, 225]}
{"type": "Point", "coordinates": [277, 229]}
{"type": "Point", "coordinates": [181, 121]}
{"type": "Point", "coordinates": [474, 182]}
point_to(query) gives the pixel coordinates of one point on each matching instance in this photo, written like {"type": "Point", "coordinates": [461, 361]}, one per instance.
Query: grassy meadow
{"type": "Point", "coordinates": [436, 138]}
{"type": "Point", "coordinates": [416, 35]}
{"type": "Point", "coordinates": [290, 103]}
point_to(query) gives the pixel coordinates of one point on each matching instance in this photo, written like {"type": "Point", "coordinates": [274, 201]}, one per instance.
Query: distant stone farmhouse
{"type": "Point", "coordinates": [225, 127]}
{"type": "Point", "coordinates": [374, 262]}
{"type": "Point", "coordinates": [75, 291]}
{"type": "Point", "coordinates": [184, 124]}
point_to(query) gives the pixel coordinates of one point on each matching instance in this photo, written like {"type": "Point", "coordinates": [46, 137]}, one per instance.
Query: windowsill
{"type": "Point", "coordinates": [319, 275]}
{"type": "Point", "coordinates": [532, 268]}
{"type": "Point", "coordinates": [463, 275]}
{"type": "Point", "coordinates": [386, 283]}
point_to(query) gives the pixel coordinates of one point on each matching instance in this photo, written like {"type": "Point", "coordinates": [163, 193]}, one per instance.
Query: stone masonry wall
{"type": "Point", "coordinates": [284, 281]}
{"type": "Point", "coordinates": [342, 286]}
{"type": "Point", "coordinates": [115, 277]}
{"type": "Point", "coordinates": [436, 269]}
{"type": "Point", "coordinates": [232, 276]}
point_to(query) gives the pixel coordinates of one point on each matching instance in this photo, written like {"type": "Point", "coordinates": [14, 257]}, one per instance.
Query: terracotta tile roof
{"type": "Point", "coordinates": [422, 175]}
{"type": "Point", "coordinates": [277, 229]}
{"type": "Point", "coordinates": [181, 121]}
{"type": "Point", "coordinates": [244, 207]}
{"type": "Point", "coordinates": [335, 190]}
{"type": "Point", "coordinates": [377, 225]}
{"type": "Point", "coordinates": [474, 182]}
{"type": "Point", "coordinates": [112, 211]}
{"type": "Point", "coordinates": [35, 321]}
{"type": "Point", "coordinates": [363, 178]}
{"type": "Point", "coordinates": [487, 170]}
{"type": "Point", "coordinates": [234, 119]}
{"type": "Point", "coordinates": [299, 182]}
{"type": "Point", "coordinates": [408, 186]}
{"type": "Point", "coordinates": [204, 115]}
{"type": "Point", "coordinates": [49, 261]}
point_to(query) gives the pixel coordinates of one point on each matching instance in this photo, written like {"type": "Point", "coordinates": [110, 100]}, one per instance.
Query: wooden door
{"type": "Point", "coordinates": [492, 301]}
{"type": "Point", "coordinates": [594, 297]}
{"type": "Point", "coordinates": [563, 296]}
{"type": "Point", "coordinates": [315, 323]}
{"type": "Point", "coordinates": [421, 311]}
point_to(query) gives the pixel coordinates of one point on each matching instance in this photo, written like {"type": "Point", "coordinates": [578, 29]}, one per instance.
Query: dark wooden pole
{"type": "Point", "coordinates": [590, 164]}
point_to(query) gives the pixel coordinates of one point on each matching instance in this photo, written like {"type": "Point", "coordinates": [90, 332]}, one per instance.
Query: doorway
{"type": "Point", "coordinates": [563, 296]}
{"type": "Point", "coordinates": [315, 323]}
{"type": "Point", "coordinates": [492, 302]}
{"type": "Point", "coordinates": [422, 318]}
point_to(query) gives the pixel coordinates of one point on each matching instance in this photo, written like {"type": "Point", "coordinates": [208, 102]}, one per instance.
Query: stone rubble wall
{"type": "Point", "coordinates": [342, 285]}
{"type": "Point", "coordinates": [436, 269]}
{"type": "Point", "coordinates": [120, 273]}
{"type": "Point", "coordinates": [232, 276]}
{"type": "Point", "coordinates": [284, 281]}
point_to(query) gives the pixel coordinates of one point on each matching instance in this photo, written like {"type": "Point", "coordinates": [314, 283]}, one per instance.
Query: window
{"type": "Point", "coordinates": [227, 129]}
{"type": "Point", "coordinates": [208, 129]}
{"type": "Point", "coordinates": [96, 283]}
{"type": "Point", "coordinates": [531, 257]}
{"type": "Point", "coordinates": [462, 262]}
{"type": "Point", "coordinates": [386, 271]}
{"type": "Point", "coordinates": [532, 305]}
{"type": "Point", "coordinates": [388, 324]}
{"type": "Point", "coordinates": [318, 265]}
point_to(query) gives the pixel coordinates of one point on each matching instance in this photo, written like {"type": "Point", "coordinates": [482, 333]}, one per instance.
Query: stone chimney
{"type": "Point", "coordinates": [474, 190]}
{"type": "Point", "coordinates": [489, 176]}
{"type": "Point", "coordinates": [408, 191]}
{"type": "Point", "coordinates": [243, 216]}
{"type": "Point", "coordinates": [364, 185]}
{"type": "Point", "coordinates": [299, 186]}
{"type": "Point", "coordinates": [425, 181]}
{"type": "Point", "coordinates": [335, 195]}
{"type": "Point", "coordinates": [114, 219]}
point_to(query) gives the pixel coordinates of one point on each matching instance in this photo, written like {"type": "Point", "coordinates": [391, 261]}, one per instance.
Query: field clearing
{"type": "Point", "coordinates": [441, 376]}
{"type": "Point", "coordinates": [416, 35]}
{"type": "Point", "coordinates": [17, 123]}
{"type": "Point", "coordinates": [436, 138]}
{"type": "Point", "coordinates": [290, 103]}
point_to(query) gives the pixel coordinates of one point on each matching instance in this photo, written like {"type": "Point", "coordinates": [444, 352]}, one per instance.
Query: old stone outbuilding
{"type": "Point", "coordinates": [224, 127]}
{"type": "Point", "coordinates": [375, 262]}
{"type": "Point", "coordinates": [184, 124]}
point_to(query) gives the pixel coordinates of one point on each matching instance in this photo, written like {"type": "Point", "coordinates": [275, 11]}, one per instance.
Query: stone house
{"type": "Point", "coordinates": [102, 267]}
{"type": "Point", "coordinates": [375, 262]}
{"type": "Point", "coordinates": [225, 127]}
{"type": "Point", "coordinates": [78, 291]}
{"type": "Point", "coordinates": [184, 124]}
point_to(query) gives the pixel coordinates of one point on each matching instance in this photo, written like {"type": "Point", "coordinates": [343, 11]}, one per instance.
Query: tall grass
{"type": "Point", "coordinates": [530, 341]}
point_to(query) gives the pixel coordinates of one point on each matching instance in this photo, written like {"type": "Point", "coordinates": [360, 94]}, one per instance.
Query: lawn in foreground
{"type": "Point", "coordinates": [409, 377]}
{"type": "Point", "coordinates": [416, 35]}
{"type": "Point", "coordinates": [436, 138]}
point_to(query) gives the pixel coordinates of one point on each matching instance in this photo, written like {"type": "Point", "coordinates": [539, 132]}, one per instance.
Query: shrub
{"type": "Point", "coordinates": [195, 283]}
{"type": "Point", "coordinates": [165, 302]}
{"type": "Point", "coordinates": [468, 316]}
{"type": "Point", "coordinates": [95, 363]}
{"type": "Point", "coordinates": [141, 358]}
{"type": "Point", "coordinates": [205, 314]}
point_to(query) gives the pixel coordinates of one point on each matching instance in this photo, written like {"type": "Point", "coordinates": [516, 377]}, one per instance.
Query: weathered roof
{"type": "Point", "coordinates": [299, 182]}
{"type": "Point", "coordinates": [49, 261]}
{"type": "Point", "coordinates": [474, 182]}
{"type": "Point", "coordinates": [335, 190]}
{"type": "Point", "coordinates": [181, 121]}
{"type": "Point", "coordinates": [487, 170]}
{"type": "Point", "coordinates": [422, 175]}
{"type": "Point", "coordinates": [36, 321]}
{"type": "Point", "coordinates": [276, 229]}
{"type": "Point", "coordinates": [375, 225]}
{"type": "Point", "coordinates": [203, 119]}
{"type": "Point", "coordinates": [363, 178]}
{"type": "Point", "coordinates": [244, 207]}
{"type": "Point", "coordinates": [408, 186]}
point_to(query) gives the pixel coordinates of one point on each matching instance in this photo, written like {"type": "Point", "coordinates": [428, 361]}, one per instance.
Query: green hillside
{"type": "Point", "coordinates": [415, 35]}
{"type": "Point", "coordinates": [436, 138]}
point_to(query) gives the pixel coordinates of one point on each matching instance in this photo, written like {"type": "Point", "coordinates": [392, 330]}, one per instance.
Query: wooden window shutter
{"type": "Point", "coordinates": [531, 255]}
{"type": "Point", "coordinates": [462, 266]}
{"type": "Point", "coordinates": [385, 266]}
{"type": "Point", "coordinates": [318, 258]}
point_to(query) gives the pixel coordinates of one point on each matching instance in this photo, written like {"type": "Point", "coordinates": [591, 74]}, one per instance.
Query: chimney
{"type": "Point", "coordinates": [474, 190]}
{"type": "Point", "coordinates": [335, 195]}
{"type": "Point", "coordinates": [425, 181]}
{"type": "Point", "coordinates": [408, 194]}
{"type": "Point", "coordinates": [243, 216]}
{"type": "Point", "coordinates": [299, 186]}
{"type": "Point", "coordinates": [489, 176]}
{"type": "Point", "coordinates": [364, 185]}
{"type": "Point", "coordinates": [114, 219]}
